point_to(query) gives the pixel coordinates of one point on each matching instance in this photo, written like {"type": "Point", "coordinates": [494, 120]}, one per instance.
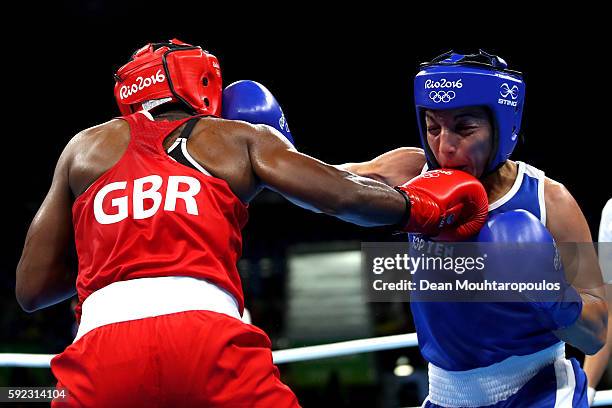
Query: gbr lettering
{"type": "Point", "coordinates": [147, 188]}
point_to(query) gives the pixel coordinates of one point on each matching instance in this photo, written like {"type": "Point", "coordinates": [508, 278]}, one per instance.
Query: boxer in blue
{"type": "Point", "coordinates": [469, 110]}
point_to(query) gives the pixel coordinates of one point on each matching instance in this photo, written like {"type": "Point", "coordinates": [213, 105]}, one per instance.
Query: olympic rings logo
{"type": "Point", "coordinates": [442, 96]}
{"type": "Point", "coordinates": [506, 91]}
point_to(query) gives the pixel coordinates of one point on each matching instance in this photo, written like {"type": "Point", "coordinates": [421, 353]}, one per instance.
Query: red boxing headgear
{"type": "Point", "coordinates": [170, 72]}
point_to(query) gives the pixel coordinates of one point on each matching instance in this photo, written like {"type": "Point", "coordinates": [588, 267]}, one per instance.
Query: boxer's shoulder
{"type": "Point", "coordinates": [214, 139]}
{"type": "Point", "coordinates": [233, 131]}
{"type": "Point", "coordinates": [113, 131]}
{"type": "Point", "coordinates": [565, 219]}
{"type": "Point", "coordinates": [396, 166]}
{"type": "Point", "coordinates": [93, 151]}
{"type": "Point", "coordinates": [556, 195]}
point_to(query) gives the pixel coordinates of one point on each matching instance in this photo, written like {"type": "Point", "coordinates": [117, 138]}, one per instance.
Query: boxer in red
{"type": "Point", "coordinates": [155, 202]}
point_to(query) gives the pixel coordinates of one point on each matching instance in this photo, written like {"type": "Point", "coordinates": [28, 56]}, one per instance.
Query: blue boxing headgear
{"type": "Point", "coordinates": [453, 81]}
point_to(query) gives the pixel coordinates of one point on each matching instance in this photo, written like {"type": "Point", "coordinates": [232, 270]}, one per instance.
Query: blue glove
{"type": "Point", "coordinates": [251, 102]}
{"type": "Point", "coordinates": [531, 256]}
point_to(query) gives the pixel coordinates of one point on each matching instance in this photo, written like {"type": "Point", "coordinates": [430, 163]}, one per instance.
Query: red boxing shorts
{"type": "Point", "coordinates": [167, 342]}
{"type": "Point", "coordinates": [186, 359]}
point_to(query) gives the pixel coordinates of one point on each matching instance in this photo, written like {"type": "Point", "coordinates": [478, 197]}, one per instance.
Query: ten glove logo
{"type": "Point", "coordinates": [436, 173]}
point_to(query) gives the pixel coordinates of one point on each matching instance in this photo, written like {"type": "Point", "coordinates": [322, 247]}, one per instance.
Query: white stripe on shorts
{"type": "Point", "coordinates": [566, 383]}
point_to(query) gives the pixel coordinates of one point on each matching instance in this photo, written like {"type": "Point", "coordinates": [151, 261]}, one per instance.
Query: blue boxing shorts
{"type": "Point", "coordinates": [543, 379]}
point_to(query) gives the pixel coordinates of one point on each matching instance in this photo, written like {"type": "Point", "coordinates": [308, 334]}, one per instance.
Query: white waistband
{"type": "Point", "coordinates": [149, 297]}
{"type": "Point", "coordinates": [485, 386]}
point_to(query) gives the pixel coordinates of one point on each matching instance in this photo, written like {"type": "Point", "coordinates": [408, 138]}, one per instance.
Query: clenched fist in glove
{"type": "Point", "coordinates": [445, 204]}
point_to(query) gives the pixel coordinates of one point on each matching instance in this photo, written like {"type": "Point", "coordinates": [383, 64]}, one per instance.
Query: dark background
{"type": "Point", "coordinates": [344, 80]}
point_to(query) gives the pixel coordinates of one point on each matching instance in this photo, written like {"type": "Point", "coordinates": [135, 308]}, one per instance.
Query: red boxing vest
{"type": "Point", "coordinates": [150, 216]}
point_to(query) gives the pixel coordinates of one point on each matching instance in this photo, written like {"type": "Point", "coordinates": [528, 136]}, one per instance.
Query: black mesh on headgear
{"type": "Point", "coordinates": [479, 59]}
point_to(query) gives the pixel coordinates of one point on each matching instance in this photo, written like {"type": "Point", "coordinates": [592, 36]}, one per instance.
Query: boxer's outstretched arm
{"type": "Point", "coordinates": [567, 224]}
{"type": "Point", "coordinates": [43, 275]}
{"type": "Point", "coordinates": [320, 187]}
{"type": "Point", "coordinates": [393, 168]}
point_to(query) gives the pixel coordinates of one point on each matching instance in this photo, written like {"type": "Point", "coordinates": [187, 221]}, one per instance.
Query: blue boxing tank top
{"type": "Point", "coordinates": [458, 336]}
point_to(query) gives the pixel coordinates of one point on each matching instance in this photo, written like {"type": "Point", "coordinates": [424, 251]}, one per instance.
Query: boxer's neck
{"type": "Point", "coordinates": [169, 111]}
{"type": "Point", "coordinates": [500, 182]}
{"type": "Point", "coordinates": [171, 115]}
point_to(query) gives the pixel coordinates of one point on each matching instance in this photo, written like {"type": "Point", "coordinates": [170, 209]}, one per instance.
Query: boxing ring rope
{"type": "Point", "coordinates": [602, 398]}
{"type": "Point", "coordinates": [344, 348]}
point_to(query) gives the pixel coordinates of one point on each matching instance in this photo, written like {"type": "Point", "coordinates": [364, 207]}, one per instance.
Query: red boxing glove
{"type": "Point", "coordinates": [446, 204]}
